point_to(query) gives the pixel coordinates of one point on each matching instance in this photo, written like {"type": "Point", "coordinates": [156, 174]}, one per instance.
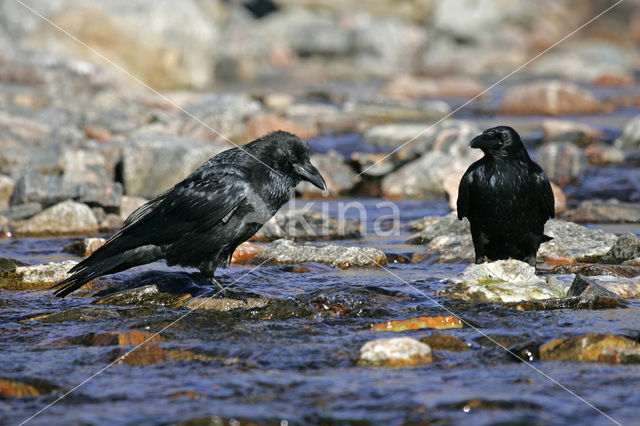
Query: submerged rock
{"type": "Point", "coordinates": [604, 212]}
{"type": "Point", "coordinates": [590, 269]}
{"type": "Point", "coordinates": [574, 243]}
{"type": "Point", "coordinates": [146, 295]}
{"type": "Point", "coordinates": [448, 224]}
{"type": "Point", "coordinates": [301, 225]}
{"type": "Point", "coordinates": [35, 277]}
{"type": "Point", "coordinates": [65, 218]}
{"type": "Point", "coordinates": [394, 352]}
{"type": "Point", "coordinates": [143, 355]}
{"type": "Point", "coordinates": [440, 323]}
{"type": "Point", "coordinates": [287, 252]}
{"type": "Point", "coordinates": [444, 342]}
{"type": "Point", "coordinates": [618, 355]}
{"type": "Point", "coordinates": [111, 338]}
{"type": "Point", "coordinates": [587, 347]}
{"type": "Point", "coordinates": [20, 387]}
{"type": "Point", "coordinates": [501, 281]}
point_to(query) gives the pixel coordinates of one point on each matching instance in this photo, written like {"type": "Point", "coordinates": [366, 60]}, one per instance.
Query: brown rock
{"type": "Point", "coordinates": [278, 102]}
{"type": "Point", "coordinates": [21, 387]}
{"type": "Point", "coordinates": [551, 97]}
{"type": "Point", "coordinates": [6, 188]}
{"type": "Point", "coordinates": [616, 355]}
{"type": "Point", "coordinates": [144, 355]}
{"type": "Point", "coordinates": [563, 162]}
{"type": "Point", "coordinates": [260, 125]}
{"type": "Point", "coordinates": [439, 322]}
{"type": "Point", "coordinates": [587, 347]}
{"type": "Point", "coordinates": [600, 154]}
{"type": "Point", "coordinates": [97, 132]}
{"type": "Point", "coordinates": [444, 342]}
{"type": "Point", "coordinates": [410, 86]}
{"type": "Point", "coordinates": [244, 253]}
{"type": "Point", "coordinates": [85, 247]}
{"type": "Point", "coordinates": [554, 129]}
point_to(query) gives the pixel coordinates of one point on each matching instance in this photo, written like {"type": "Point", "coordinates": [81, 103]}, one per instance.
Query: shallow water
{"type": "Point", "coordinates": [301, 368]}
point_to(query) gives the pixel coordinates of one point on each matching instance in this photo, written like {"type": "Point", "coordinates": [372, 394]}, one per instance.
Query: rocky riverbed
{"type": "Point", "coordinates": [355, 306]}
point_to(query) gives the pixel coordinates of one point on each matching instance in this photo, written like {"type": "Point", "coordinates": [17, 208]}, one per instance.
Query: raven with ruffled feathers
{"type": "Point", "coordinates": [507, 198]}
{"type": "Point", "coordinates": [201, 220]}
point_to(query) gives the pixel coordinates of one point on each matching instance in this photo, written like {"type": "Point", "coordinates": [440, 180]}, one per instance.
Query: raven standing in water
{"type": "Point", "coordinates": [507, 198]}
{"type": "Point", "coordinates": [201, 220]}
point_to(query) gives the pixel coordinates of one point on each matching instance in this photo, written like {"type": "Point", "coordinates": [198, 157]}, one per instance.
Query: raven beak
{"type": "Point", "coordinates": [483, 143]}
{"type": "Point", "coordinates": [311, 174]}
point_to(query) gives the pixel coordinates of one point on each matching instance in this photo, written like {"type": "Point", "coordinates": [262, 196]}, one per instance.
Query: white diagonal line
{"type": "Point", "coordinates": [493, 85]}
{"type": "Point", "coordinates": [120, 358]}
{"type": "Point", "coordinates": [498, 343]}
{"type": "Point", "coordinates": [138, 80]}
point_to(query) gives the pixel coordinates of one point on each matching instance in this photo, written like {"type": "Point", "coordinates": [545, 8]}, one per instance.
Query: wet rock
{"type": "Point", "coordinates": [288, 252]}
{"type": "Point", "coordinates": [439, 323]}
{"type": "Point", "coordinates": [563, 162]}
{"type": "Point", "coordinates": [223, 304]}
{"type": "Point", "coordinates": [143, 355]}
{"type": "Point", "coordinates": [10, 264]}
{"type": "Point", "coordinates": [444, 342]}
{"type": "Point", "coordinates": [626, 247]}
{"type": "Point", "coordinates": [423, 177]}
{"type": "Point", "coordinates": [408, 86]}
{"type": "Point", "coordinates": [451, 248]}
{"type": "Point", "coordinates": [501, 281]}
{"type": "Point", "coordinates": [129, 204]}
{"type": "Point", "coordinates": [394, 352]}
{"type": "Point", "coordinates": [600, 154]}
{"type": "Point", "coordinates": [630, 137]}
{"type": "Point", "coordinates": [301, 225]}
{"type": "Point", "coordinates": [35, 277]}
{"type": "Point", "coordinates": [448, 224]}
{"type": "Point", "coordinates": [579, 133]}
{"type": "Point", "coordinates": [597, 269]}
{"type": "Point", "coordinates": [153, 163]}
{"type": "Point", "coordinates": [260, 125]}
{"type": "Point", "coordinates": [111, 338]}
{"type": "Point", "coordinates": [587, 347]}
{"type": "Point", "coordinates": [617, 355]}
{"type": "Point", "coordinates": [622, 287]}
{"type": "Point", "coordinates": [173, 41]}
{"type": "Point", "coordinates": [65, 218]}
{"type": "Point", "coordinates": [574, 243]}
{"type": "Point", "coordinates": [85, 247]}
{"type": "Point", "coordinates": [22, 211]}
{"type": "Point", "coordinates": [6, 188]}
{"type": "Point", "coordinates": [20, 387]}
{"type": "Point", "coordinates": [146, 295]}
{"type": "Point", "coordinates": [48, 190]}
{"type": "Point", "coordinates": [550, 97]}
{"type": "Point", "coordinates": [386, 110]}
{"type": "Point", "coordinates": [338, 175]}
{"type": "Point", "coordinates": [585, 287]}
{"type": "Point", "coordinates": [245, 253]}
{"type": "Point", "coordinates": [77, 313]}
{"type": "Point", "coordinates": [604, 212]}
{"type": "Point", "coordinates": [584, 303]}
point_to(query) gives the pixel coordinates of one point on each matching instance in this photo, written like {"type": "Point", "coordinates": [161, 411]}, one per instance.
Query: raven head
{"type": "Point", "coordinates": [291, 157]}
{"type": "Point", "coordinates": [501, 141]}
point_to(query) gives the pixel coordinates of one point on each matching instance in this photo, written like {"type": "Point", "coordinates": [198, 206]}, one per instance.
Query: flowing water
{"type": "Point", "coordinates": [298, 365]}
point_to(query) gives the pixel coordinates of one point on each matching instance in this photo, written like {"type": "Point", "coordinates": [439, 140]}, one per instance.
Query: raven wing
{"type": "Point", "coordinates": [198, 202]}
{"type": "Point", "coordinates": [543, 192]}
{"type": "Point", "coordinates": [464, 196]}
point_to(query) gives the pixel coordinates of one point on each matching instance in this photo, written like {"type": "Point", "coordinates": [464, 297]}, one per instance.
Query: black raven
{"type": "Point", "coordinates": [507, 198]}
{"type": "Point", "coordinates": [201, 220]}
